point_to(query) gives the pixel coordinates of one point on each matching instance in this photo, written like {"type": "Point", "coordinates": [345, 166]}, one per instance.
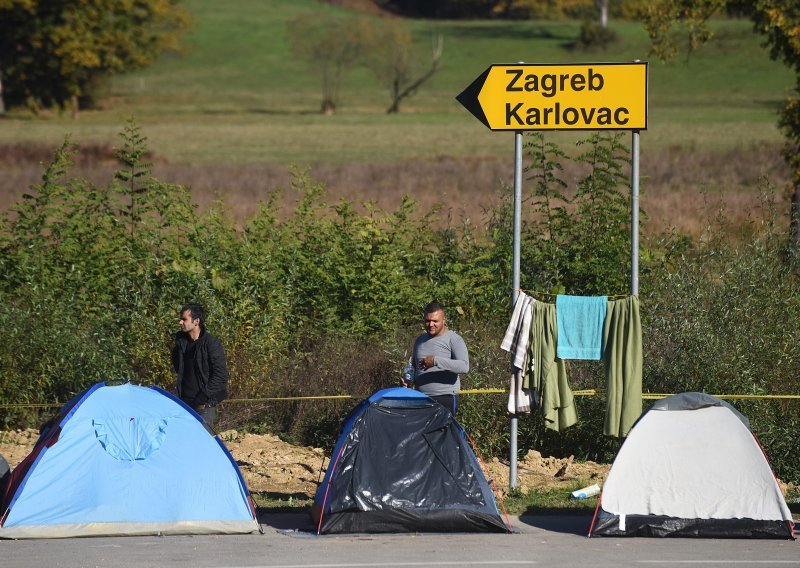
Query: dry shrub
{"type": "Point", "coordinates": [683, 187]}
{"type": "Point", "coordinates": [23, 163]}
{"type": "Point", "coordinates": [28, 153]}
{"type": "Point", "coordinates": [680, 185]}
{"type": "Point", "coordinates": [334, 365]}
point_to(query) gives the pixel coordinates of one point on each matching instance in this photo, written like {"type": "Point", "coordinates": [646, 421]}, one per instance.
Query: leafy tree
{"type": "Point", "coordinates": [778, 21]}
{"type": "Point", "coordinates": [580, 243]}
{"type": "Point", "coordinates": [335, 44]}
{"type": "Point", "coordinates": [54, 51]}
{"type": "Point", "coordinates": [332, 44]}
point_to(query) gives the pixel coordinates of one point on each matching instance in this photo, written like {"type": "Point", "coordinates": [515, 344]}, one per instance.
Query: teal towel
{"type": "Point", "coordinates": [580, 326]}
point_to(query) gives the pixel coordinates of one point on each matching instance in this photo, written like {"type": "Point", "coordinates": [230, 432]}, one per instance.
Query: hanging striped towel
{"type": "Point", "coordinates": [580, 326]}
{"type": "Point", "coordinates": [515, 341]}
{"type": "Point", "coordinates": [517, 335]}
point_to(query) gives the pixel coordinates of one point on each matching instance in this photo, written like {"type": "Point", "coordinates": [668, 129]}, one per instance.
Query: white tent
{"type": "Point", "coordinates": [691, 467]}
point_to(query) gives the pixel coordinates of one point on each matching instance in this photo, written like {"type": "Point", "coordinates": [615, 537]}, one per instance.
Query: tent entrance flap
{"type": "Point", "coordinates": [130, 439]}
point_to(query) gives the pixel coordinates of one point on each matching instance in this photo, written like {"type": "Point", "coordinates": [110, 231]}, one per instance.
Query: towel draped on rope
{"type": "Point", "coordinates": [539, 375]}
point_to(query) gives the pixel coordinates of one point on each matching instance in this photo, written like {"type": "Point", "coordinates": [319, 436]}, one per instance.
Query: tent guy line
{"type": "Point", "coordinates": [585, 392]}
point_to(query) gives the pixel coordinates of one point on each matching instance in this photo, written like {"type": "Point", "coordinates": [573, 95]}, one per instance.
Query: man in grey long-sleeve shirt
{"type": "Point", "coordinates": [439, 357]}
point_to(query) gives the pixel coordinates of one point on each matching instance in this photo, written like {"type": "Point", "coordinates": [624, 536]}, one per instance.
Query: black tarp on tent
{"type": "Point", "coordinates": [5, 475]}
{"type": "Point", "coordinates": [403, 463]}
{"type": "Point", "coordinates": [691, 467]}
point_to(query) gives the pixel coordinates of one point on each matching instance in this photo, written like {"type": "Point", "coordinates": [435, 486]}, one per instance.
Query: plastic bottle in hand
{"type": "Point", "coordinates": [408, 374]}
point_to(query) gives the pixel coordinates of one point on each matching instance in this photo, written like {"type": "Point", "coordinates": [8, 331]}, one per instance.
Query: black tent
{"type": "Point", "coordinates": [5, 475]}
{"type": "Point", "coordinates": [403, 463]}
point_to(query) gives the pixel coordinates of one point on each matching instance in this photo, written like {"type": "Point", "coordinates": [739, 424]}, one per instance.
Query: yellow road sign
{"type": "Point", "coordinates": [575, 96]}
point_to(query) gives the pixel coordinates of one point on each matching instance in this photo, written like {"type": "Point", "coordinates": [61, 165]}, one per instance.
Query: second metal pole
{"type": "Point", "coordinates": [512, 458]}
{"type": "Point", "coordinates": [635, 213]}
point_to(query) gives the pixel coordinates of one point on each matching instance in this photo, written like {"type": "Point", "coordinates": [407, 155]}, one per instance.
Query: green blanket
{"type": "Point", "coordinates": [622, 353]}
{"type": "Point", "coordinates": [549, 372]}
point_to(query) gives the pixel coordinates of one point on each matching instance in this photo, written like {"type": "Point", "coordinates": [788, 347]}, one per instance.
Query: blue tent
{"type": "Point", "coordinates": [126, 460]}
{"type": "Point", "coordinates": [402, 463]}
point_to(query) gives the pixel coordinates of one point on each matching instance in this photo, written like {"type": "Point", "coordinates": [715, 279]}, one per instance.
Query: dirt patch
{"type": "Point", "coordinates": [15, 445]}
{"type": "Point", "coordinates": [536, 472]}
{"type": "Point", "coordinates": [269, 464]}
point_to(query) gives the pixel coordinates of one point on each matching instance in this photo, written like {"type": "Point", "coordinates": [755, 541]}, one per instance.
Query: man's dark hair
{"type": "Point", "coordinates": [197, 312]}
{"type": "Point", "coordinates": [433, 307]}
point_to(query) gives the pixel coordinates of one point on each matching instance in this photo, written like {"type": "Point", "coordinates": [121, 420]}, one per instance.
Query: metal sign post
{"type": "Point", "coordinates": [576, 96]}
{"type": "Point", "coordinates": [512, 482]}
{"type": "Point", "coordinates": [635, 213]}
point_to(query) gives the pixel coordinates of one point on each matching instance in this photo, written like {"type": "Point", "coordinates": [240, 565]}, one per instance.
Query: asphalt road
{"type": "Point", "coordinates": [288, 542]}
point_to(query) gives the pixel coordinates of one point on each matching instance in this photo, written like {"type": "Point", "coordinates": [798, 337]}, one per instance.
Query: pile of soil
{"type": "Point", "coordinates": [271, 465]}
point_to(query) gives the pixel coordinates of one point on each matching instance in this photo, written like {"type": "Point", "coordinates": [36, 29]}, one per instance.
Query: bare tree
{"type": "Point", "coordinates": [394, 62]}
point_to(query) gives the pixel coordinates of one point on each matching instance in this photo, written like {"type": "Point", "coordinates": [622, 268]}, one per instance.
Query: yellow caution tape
{"type": "Point", "coordinates": [585, 392]}
{"type": "Point", "coordinates": [281, 398]}
{"type": "Point", "coordinates": [31, 405]}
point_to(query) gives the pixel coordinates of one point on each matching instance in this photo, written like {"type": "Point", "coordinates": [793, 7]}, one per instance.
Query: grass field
{"type": "Point", "coordinates": [238, 108]}
{"type": "Point", "coordinates": [541, 501]}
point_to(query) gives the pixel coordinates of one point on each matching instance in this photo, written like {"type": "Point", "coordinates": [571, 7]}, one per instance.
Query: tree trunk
{"type": "Point", "coordinates": [602, 5]}
{"type": "Point", "coordinates": [395, 98]}
{"type": "Point", "coordinates": [398, 93]}
{"type": "Point", "coordinates": [328, 107]}
{"type": "Point", "coordinates": [2, 103]}
{"type": "Point", "coordinates": [73, 100]}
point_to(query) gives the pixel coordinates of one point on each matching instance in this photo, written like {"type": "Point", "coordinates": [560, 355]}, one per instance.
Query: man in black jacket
{"type": "Point", "coordinates": [199, 361]}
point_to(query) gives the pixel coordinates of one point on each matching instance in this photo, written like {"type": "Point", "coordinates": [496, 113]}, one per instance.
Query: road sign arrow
{"type": "Point", "coordinates": [469, 97]}
{"type": "Point", "coordinates": [547, 96]}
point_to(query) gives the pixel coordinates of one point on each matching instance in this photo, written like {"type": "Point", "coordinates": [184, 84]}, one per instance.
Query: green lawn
{"type": "Point", "coordinates": [238, 95]}
{"type": "Point", "coordinates": [538, 502]}
{"type": "Point", "coordinates": [541, 501]}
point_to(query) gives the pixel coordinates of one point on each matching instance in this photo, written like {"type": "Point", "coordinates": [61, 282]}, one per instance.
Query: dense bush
{"type": "Point", "coordinates": [723, 318]}
{"type": "Point", "coordinates": [594, 36]}
{"type": "Point", "coordinates": [324, 300]}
